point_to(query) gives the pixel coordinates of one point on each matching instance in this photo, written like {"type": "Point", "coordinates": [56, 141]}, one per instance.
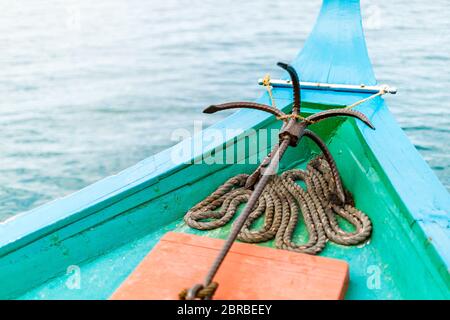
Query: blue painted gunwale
{"type": "Point", "coordinates": [416, 185]}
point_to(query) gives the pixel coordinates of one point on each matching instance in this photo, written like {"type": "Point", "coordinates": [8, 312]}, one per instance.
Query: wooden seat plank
{"type": "Point", "coordinates": [249, 272]}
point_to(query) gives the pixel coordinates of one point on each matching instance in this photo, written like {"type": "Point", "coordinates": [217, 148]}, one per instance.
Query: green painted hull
{"type": "Point", "coordinates": [397, 263]}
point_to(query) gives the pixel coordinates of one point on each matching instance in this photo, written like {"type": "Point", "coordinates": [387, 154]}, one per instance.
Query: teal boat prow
{"type": "Point", "coordinates": [85, 245]}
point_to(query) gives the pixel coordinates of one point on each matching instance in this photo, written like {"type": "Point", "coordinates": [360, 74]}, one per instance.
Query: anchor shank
{"type": "Point", "coordinates": [259, 188]}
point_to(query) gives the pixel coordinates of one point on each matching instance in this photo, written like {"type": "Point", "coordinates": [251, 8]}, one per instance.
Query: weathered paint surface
{"type": "Point", "coordinates": [336, 51]}
{"type": "Point", "coordinates": [181, 259]}
{"type": "Point", "coordinates": [108, 227]}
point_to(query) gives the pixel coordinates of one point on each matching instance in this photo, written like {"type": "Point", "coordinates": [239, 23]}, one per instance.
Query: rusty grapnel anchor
{"type": "Point", "coordinates": [294, 128]}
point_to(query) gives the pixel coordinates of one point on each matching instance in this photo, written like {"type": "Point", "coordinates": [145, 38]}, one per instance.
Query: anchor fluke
{"type": "Point", "coordinates": [211, 109]}
{"type": "Point", "coordinates": [295, 85]}
{"type": "Point", "coordinates": [244, 105]}
{"type": "Point", "coordinates": [340, 112]}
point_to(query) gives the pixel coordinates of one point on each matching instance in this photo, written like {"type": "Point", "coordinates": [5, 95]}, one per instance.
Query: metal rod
{"type": "Point", "coordinates": [259, 188]}
{"type": "Point", "coordinates": [332, 87]}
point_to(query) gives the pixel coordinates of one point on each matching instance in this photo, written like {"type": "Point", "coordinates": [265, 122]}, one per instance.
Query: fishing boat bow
{"type": "Point", "coordinates": [86, 244]}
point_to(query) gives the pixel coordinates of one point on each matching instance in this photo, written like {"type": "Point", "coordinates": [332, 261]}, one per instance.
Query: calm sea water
{"type": "Point", "coordinates": [88, 88]}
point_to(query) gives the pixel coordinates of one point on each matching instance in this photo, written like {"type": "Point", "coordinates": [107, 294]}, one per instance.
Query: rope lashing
{"type": "Point", "coordinates": [351, 106]}
{"type": "Point", "coordinates": [266, 83]}
{"type": "Point", "coordinates": [199, 292]}
{"type": "Point", "coordinates": [294, 116]}
{"type": "Point", "coordinates": [357, 103]}
{"type": "Point", "coordinates": [279, 206]}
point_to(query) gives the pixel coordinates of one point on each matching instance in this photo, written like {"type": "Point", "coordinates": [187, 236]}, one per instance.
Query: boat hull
{"type": "Point", "coordinates": [85, 245]}
{"type": "Point", "coordinates": [104, 240]}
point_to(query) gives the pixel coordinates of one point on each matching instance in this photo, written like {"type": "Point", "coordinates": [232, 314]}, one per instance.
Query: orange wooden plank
{"type": "Point", "coordinates": [249, 272]}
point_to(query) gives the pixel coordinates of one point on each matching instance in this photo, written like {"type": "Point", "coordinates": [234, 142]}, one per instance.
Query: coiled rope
{"type": "Point", "coordinates": [280, 204]}
{"type": "Point", "coordinates": [201, 292]}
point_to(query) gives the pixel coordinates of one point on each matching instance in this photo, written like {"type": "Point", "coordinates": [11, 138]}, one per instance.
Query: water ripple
{"type": "Point", "coordinates": [87, 86]}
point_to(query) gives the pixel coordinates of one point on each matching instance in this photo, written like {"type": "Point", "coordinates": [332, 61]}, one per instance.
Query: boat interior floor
{"type": "Point", "coordinates": [382, 268]}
